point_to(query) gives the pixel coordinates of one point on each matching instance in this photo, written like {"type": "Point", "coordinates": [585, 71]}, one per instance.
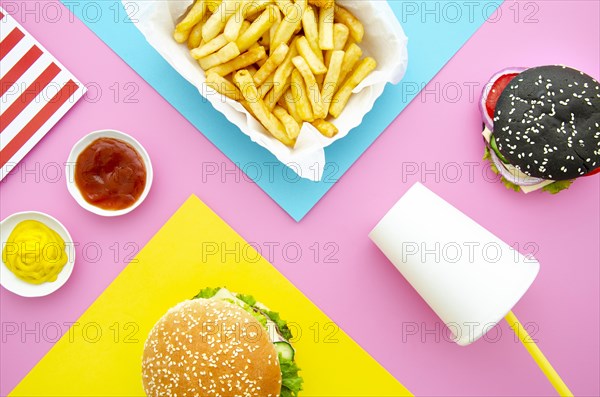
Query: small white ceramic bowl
{"type": "Point", "coordinates": [14, 284]}
{"type": "Point", "coordinates": [85, 142]}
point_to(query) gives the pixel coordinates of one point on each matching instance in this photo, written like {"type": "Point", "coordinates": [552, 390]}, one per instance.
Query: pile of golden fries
{"type": "Point", "coordinates": [286, 61]}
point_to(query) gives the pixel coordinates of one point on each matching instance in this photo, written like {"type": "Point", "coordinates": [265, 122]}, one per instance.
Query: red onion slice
{"type": "Point", "coordinates": [486, 89]}
{"type": "Point", "coordinates": [506, 174]}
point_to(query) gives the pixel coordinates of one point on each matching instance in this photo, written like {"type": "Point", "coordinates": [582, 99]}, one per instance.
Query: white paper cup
{"type": "Point", "coordinates": [468, 276]}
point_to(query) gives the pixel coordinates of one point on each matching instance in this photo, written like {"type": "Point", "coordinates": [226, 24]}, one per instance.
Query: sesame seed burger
{"type": "Point", "coordinates": [542, 127]}
{"type": "Point", "coordinates": [220, 344]}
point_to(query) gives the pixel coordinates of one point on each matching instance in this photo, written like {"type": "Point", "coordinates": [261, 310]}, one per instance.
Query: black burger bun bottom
{"type": "Point", "coordinates": [547, 123]}
{"type": "Point", "coordinates": [209, 348]}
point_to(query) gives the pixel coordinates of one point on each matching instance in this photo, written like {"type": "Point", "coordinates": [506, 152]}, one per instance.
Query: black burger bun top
{"type": "Point", "coordinates": [547, 123]}
{"type": "Point", "coordinates": [205, 347]}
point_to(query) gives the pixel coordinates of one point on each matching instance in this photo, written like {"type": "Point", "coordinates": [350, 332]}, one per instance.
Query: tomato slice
{"type": "Point", "coordinates": [597, 170]}
{"type": "Point", "coordinates": [497, 88]}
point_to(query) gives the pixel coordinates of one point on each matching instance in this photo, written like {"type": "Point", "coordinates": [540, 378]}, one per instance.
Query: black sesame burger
{"type": "Point", "coordinates": [220, 344]}
{"type": "Point", "coordinates": [542, 127]}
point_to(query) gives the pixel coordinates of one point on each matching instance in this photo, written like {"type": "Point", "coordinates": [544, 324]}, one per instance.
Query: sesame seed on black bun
{"type": "Point", "coordinates": [547, 123]}
{"type": "Point", "coordinates": [205, 347]}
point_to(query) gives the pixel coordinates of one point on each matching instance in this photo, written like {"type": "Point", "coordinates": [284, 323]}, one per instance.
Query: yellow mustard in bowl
{"type": "Point", "coordinates": [34, 252]}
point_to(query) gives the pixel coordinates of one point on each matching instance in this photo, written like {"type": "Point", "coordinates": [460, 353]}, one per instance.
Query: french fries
{"type": "Point", "coordinates": [326, 15]}
{"type": "Point", "coordinates": [285, 6]}
{"type": "Point", "coordinates": [246, 59]}
{"type": "Point", "coordinates": [340, 37]}
{"type": "Point", "coordinates": [282, 74]}
{"type": "Point", "coordinates": [273, 29]}
{"type": "Point", "coordinates": [216, 22]}
{"type": "Point", "coordinates": [256, 29]}
{"type": "Point", "coordinates": [211, 6]}
{"type": "Point", "coordinates": [344, 16]}
{"type": "Point", "coordinates": [208, 48]}
{"type": "Point", "coordinates": [266, 86]}
{"type": "Point", "coordinates": [227, 53]}
{"type": "Point", "coordinates": [341, 97]}
{"type": "Point", "coordinates": [252, 70]}
{"type": "Point", "coordinates": [351, 57]}
{"type": "Point", "coordinates": [252, 8]}
{"type": "Point", "coordinates": [272, 63]}
{"type": "Point", "coordinates": [312, 88]}
{"type": "Point", "coordinates": [292, 128]}
{"type": "Point", "coordinates": [325, 127]}
{"type": "Point", "coordinates": [311, 31]}
{"type": "Point", "coordinates": [234, 24]}
{"type": "Point", "coordinates": [181, 36]}
{"type": "Point", "coordinates": [194, 16]}
{"type": "Point", "coordinates": [195, 36]}
{"type": "Point", "coordinates": [330, 83]}
{"type": "Point", "coordinates": [223, 86]}
{"type": "Point", "coordinates": [246, 85]}
{"type": "Point", "coordinates": [316, 65]}
{"type": "Point", "coordinates": [288, 62]}
{"type": "Point", "coordinates": [290, 104]}
{"type": "Point", "coordinates": [321, 3]}
{"type": "Point", "coordinates": [300, 97]}
{"type": "Point", "coordinates": [275, 95]}
{"type": "Point", "coordinates": [288, 25]}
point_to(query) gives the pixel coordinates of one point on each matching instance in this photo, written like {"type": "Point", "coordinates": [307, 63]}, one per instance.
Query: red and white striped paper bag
{"type": "Point", "coordinates": [35, 92]}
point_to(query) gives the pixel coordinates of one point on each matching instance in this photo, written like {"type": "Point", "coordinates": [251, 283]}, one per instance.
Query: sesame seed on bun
{"type": "Point", "coordinates": [206, 347]}
{"type": "Point", "coordinates": [547, 123]}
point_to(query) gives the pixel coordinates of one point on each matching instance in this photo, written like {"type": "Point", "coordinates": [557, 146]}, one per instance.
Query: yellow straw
{"type": "Point", "coordinates": [537, 355]}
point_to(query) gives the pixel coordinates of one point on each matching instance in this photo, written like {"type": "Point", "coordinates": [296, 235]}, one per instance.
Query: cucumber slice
{"type": "Point", "coordinates": [495, 149]}
{"type": "Point", "coordinates": [285, 350]}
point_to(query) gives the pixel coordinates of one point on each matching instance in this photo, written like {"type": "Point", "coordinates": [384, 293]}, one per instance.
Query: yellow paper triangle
{"type": "Point", "coordinates": [101, 354]}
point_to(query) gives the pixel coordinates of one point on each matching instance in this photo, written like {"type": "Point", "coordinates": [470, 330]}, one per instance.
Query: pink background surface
{"type": "Point", "coordinates": [361, 291]}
